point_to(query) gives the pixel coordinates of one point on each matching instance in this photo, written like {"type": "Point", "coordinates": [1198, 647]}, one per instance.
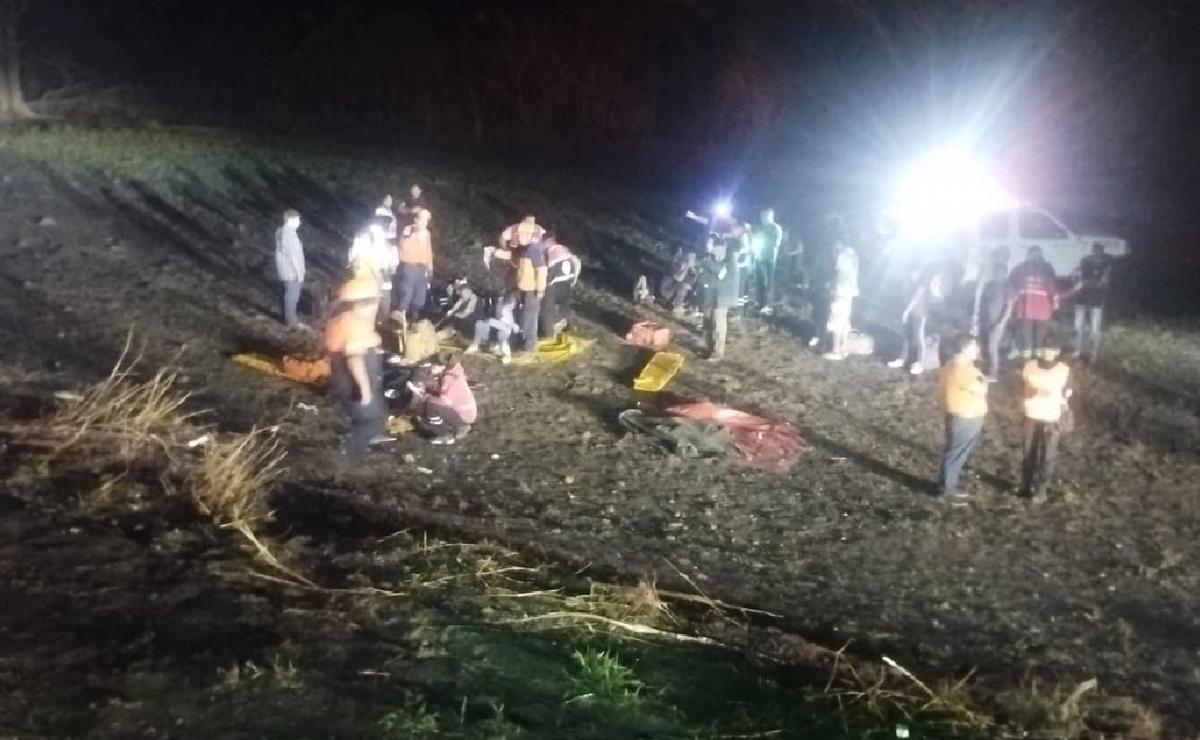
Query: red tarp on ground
{"type": "Point", "coordinates": [766, 444]}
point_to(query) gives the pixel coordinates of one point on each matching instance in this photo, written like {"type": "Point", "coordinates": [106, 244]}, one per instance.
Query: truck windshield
{"type": "Point", "coordinates": [1038, 225]}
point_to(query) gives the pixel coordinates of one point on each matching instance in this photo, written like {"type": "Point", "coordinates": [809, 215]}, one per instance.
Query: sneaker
{"type": "Point", "coordinates": [766, 311]}
{"type": "Point", "coordinates": [897, 363]}
{"type": "Point", "coordinates": [443, 441]}
{"type": "Point", "coordinates": [916, 369]}
{"type": "Point", "coordinates": [714, 358]}
{"type": "Point", "coordinates": [814, 341]}
{"type": "Point", "coordinates": [381, 439]}
{"type": "Point", "coordinates": [958, 498]}
{"type": "Point", "coordinates": [471, 349]}
{"type": "Point", "coordinates": [833, 356]}
{"type": "Point", "coordinates": [505, 354]}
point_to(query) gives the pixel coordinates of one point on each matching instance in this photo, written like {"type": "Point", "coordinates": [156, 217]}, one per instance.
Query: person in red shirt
{"type": "Point", "coordinates": [445, 404]}
{"type": "Point", "coordinates": [1034, 301]}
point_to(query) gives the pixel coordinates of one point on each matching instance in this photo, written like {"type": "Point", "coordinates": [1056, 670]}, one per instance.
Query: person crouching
{"type": "Point", "coordinates": [962, 392]}
{"type": "Point", "coordinates": [445, 404]}
{"type": "Point", "coordinates": [356, 380]}
{"type": "Point", "coordinates": [1046, 395]}
{"type": "Point", "coordinates": [503, 322]}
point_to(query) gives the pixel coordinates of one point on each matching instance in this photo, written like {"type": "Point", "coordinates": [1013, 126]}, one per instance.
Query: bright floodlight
{"type": "Point", "coordinates": [945, 191]}
{"type": "Point", "coordinates": [722, 209]}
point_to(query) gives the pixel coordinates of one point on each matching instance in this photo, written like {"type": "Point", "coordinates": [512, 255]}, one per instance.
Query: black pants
{"type": "Point", "coordinates": [993, 335]}
{"type": "Point", "coordinates": [764, 281]}
{"type": "Point", "coordinates": [554, 307]}
{"type": "Point", "coordinates": [1041, 452]}
{"type": "Point", "coordinates": [914, 340]}
{"type": "Point", "coordinates": [531, 307]}
{"type": "Point", "coordinates": [367, 421]}
{"type": "Point", "coordinates": [440, 421]}
{"type": "Point", "coordinates": [1032, 333]}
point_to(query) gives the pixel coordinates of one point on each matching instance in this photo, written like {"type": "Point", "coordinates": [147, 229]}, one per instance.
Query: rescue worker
{"type": "Point", "coordinates": [522, 233]}
{"type": "Point", "coordinates": [562, 272]}
{"type": "Point", "coordinates": [766, 241]}
{"type": "Point", "coordinates": [289, 265]}
{"type": "Point", "coordinates": [531, 277]}
{"type": "Point", "coordinates": [502, 321]}
{"type": "Point", "coordinates": [962, 393]}
{"type": "Point", "coordinates": [1092, 280]}
{"type": "Point", "coordinates": [993, 307]}
{"type": "Point", "coordinates": [416, 268]}
{"type": "Point", "coordinates": [355, 357]}
{"type": "Point", "coordinates": [719, 271]}
{"type": "Point", "coordinates": [930, 289]}
{"type": "Point", "coordinates": [445, 404]}
{"type": "Point", "coordinates": [1035, 299]}
{"type": "Point", "coordinates": [1046, 398]}
{"type": "Point", "coordinates": [842, 292]}
{"type": "Point", "coordinates": [370, 256]}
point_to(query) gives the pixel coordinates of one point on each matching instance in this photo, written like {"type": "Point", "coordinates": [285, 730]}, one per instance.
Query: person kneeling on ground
{"type": "Point", "coordinates": [445, 405]}
{"type": "Point", "coordinates": [503, 322]}
{"type": "Point", "coordinates": [1046, 395]}
{"type": "Point", "coordinates": [355, 359]}
{"type": "Point", "coordinates": [676, 286]}
{"type": "Point", "coordinates": [962, 392]}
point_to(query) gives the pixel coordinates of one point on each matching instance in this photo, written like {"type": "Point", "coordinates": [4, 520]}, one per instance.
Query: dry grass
{"type": "Point", "coordinates": [231, 486]}
{"type": "Point", "coordinates": [135, 413]}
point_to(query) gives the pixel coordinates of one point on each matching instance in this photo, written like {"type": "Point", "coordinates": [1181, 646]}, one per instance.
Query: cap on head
{"type": "Point", "coordinates": [290, 213]}
{"type": "Point", "coordinates": [358, 289]}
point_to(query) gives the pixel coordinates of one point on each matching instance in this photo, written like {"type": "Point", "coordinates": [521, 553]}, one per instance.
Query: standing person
{"type": "Point", "coordinates": [842, 293]}
{"type": "Point", "coordinates": [562, 271]}
{"type": "Point", "coordinates": [356, 377]}
{"type": "Point", "coordinates": [993, 305]}
{"type": "Point", "coordinates": [719, 271]}
{"type": "Point", "coordinates": [445, 405]}
{"type": "Point", "coordinates": [1092, 279]}
{"type": "Point", "coordinates": [962, 393]}
{"type": "Point", "coordinates": [1046, 395]}
{"type": "Point", "coordinates": [766, 241]}
{"type": "Point", "coordinates": [371, 257]}
{"type": "Point", "coordinates": [289, 265]}
{"type": "Point", "coordinates": [413, 204]}
{"type": "Point", "coordinates": [930, 290]}
{"type": "Point", "coordinates": [386, 211]}
{"type": "Point", "coordinates": [522, 233]}
{"type": "Point", "coordinates": [1035, 298]}
{"type": "Point", "coordinates": [531, 276]}
{"type": "Point", "coordinates": [416, 267]}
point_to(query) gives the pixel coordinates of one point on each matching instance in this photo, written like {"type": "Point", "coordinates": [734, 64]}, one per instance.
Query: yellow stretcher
{"type": "Point", "coordinates": [658, 371]}
{"type": "Point", "coordinates": [297, 369]}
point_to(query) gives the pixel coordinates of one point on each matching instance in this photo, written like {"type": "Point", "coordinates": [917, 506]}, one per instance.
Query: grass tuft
{"type": "Point", "coordinates": [599, 676]}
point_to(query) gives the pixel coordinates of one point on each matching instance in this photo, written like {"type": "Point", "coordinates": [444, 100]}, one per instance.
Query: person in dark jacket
{"type": "Point", "coordinates": [720, 273]}
{"type": "Point", "coordinates": [993, 307]}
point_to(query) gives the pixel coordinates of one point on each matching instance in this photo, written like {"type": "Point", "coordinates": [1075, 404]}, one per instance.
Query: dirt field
{"type": "Point", "coordinates": [168, 234]}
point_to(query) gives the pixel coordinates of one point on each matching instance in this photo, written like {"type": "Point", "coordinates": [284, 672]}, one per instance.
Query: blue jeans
{"type": "Point", "coordinates": [484, 327]}
{"type": "Point", "coordinates": [410, 283]}
{"type": "Point", "coordinates": [1088, 319]}
{"type": "Point", "coordinates": [291, 298]}
{"type": "Point", "coordinates": [961, 437]}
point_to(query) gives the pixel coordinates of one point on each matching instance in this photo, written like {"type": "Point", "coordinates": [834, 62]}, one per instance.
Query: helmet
{"type": "Point", "coordinates": [360, 288]}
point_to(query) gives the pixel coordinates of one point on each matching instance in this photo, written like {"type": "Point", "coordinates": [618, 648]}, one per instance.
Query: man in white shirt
{"type": "Point", "coordinates": [289, 265]}
{"type": "Point", "coordinates": [842, 293]}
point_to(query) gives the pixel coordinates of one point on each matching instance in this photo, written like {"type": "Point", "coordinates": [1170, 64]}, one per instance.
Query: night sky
{"type": "Point", "coordinates": [1089, 107]}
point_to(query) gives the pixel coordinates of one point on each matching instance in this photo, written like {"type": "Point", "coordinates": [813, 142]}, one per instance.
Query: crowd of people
{"type": "Point", "coordinates": [389, 269]}
{"type": "Point", "coordinates": [736, 266]}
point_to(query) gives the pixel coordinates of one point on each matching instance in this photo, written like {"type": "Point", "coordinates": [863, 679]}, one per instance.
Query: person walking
{"type": "Point", "coordinates": [1092, 280]}
{"type": "Point", "coordinates": [962, 393]}
{"type": "Point", "coordinates": [993, 306]}
{"type": "Point", "coordinates": [1046, 398]}
{"type": "Point", "coordinates": [415, 268]}
{"type": "Point", "coordinates": [562, 272]}
{"type": "Point", "coordinates": [720, 273]}
{"type": "Point", "coordinates": [1034, 301]}
{"type": "Point", "coordinates": [842, 292]}
{"type": "Point", "coordinates": [766, 241]}
{"type": "Point", "coordinates": [356, 367]}
{"type": "Point", "coordinates": [930, 289]}
{"type": "Point", "coordinates": [289, 266]}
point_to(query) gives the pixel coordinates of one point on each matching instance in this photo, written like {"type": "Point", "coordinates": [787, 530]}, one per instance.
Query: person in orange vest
{"type": "Point", "coordinates": [1046, 392]}
{"type": "Point", "coordinates": [962, 393]}
{"type": "Point", "coordinates": [1034, 301]}
{"type": "Point", "coordinates": [522, 234]}
{"type": "Point", "coordinates": [356, 367]}
{"type": "Point", "coordinates": [416, 267]}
